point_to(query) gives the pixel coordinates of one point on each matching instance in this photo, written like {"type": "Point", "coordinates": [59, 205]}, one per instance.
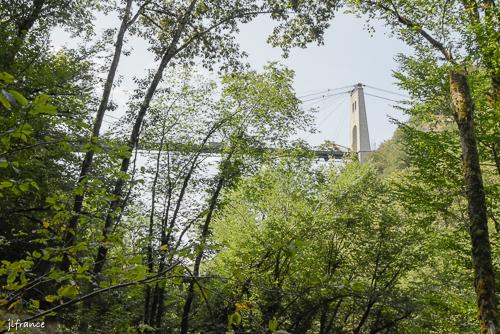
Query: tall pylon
{"type": "Point", "coordinates": [360, 139]}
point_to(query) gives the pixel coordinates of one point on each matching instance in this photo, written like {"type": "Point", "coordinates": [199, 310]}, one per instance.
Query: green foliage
{"type": "Point", "coordinates": [291, 231]}
{"type": "Point", "coordinates": [256, 243]}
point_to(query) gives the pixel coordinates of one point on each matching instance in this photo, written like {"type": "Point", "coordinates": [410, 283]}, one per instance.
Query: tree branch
{"type": "Point", "coordinates": [155, 278]}
{"type": "Point", "coordinates": [416, 27]}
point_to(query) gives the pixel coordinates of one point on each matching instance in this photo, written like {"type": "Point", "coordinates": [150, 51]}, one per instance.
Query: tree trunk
{"type": "Point", "coordinates": [170, 52]}
{"type": "Point", "coordinates": [157, 307]}
{"type": "Point", "coordinates": [102, 252]}
{"type": "Point", "coordinates": [89, 156]}
{"type": "Point", "coordinates": [488, 40]}
{"type": "Point", "coordinates": [199, 256]}
{"type": "Point", "coordinates": [156, 317]}
{"type": "Point", "coordinates": [23, 26]}
{"type": "Point", "coordinates": [484, 277]}
{"type": "Point", "coordinates": [150, 264]}
{"type": "Point", "coordinates": [323, 317]}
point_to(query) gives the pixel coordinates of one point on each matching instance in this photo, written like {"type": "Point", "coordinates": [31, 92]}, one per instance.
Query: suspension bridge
{"type": "Point", "coordinates": [359, 131]}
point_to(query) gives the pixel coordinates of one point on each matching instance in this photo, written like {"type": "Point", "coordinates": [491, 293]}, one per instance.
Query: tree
{"type": "Point", "coordinates": [178, 37]}
{"type": "Point", "coordinates": [24, 23]}
{"type": "Point", "coordinates": [314, 251]}
{"type": "Point", "coordinates": [127, 21]}
{"type": "Point", "coordinates": [260, 110]}
{"type": "Point", "coordinates": [30, 212]}
{"type": "Point", "coordinates": [440, 29]}
{"type": "Point", "coordinates": [142, 229]}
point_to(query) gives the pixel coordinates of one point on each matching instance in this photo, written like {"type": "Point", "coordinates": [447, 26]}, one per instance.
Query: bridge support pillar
{"type": "Point", "coordinates": [360, 139]}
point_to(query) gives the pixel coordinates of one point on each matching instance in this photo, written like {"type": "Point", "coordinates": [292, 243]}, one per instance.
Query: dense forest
{"type": "Point", "coordinates": [196, 212]}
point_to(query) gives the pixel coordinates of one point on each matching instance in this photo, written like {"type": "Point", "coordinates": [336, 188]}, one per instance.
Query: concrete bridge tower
{"type": "Point", "coordinates": [360, 140]}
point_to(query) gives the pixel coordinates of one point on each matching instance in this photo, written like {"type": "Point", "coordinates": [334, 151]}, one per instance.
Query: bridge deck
{"type": "Point", "coordinates": [216, 148]}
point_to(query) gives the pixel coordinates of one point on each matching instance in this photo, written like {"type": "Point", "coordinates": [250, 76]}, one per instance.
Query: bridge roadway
{"type": "Point", "coordinates": [216, 148]}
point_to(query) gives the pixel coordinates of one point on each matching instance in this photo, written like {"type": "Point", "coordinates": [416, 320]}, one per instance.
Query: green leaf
{"type": "Point", "coordinates": [357, 287]}
{"type": "Point", "coordinates": [236, 318]}
{"type": "Point", "coordinates": [26, 129]}
{"type": "Point", "coordinates": [51, 200]}
{"type": "Point", "coordinates": [144, 328]}
{"type": "Point", "coordinates": [6, 77]}
{"type": "Point", "coordinates": [24, 187]}
{"type": "Point", "coordinates": [4, 101]}
{"type": "Point", "coordinates": [14, 304]}
{"type": "Point", "coordinates": [124, 152]}
{"type": "Point", "coordinates": [6, 184]}
{"type": "Point", "coordinates": [41, 99]}
{"type": "Point", "coordinates": [19, 97]}
{"type": "Point", "coordinates": [34, 184]}
{"type": "Point", "coordinates": [40, 105]}
{"type": "Point", "coordinates": [35, 304]}
{"type": "Point", "coordinates": [44, 109]}
{"type": "Point", "coordinates": [51, 298]}
{"type": "Point", "coordinates": [273, 324]}
{"type": "Point", "coordinates": [11, 278]}
{"type": "Point", "coordinates": [23, 278]}
{"type": "Point", "coordinates": [68, 291]}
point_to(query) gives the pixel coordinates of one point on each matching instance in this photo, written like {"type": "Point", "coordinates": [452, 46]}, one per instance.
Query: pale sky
{"type": "Point", "coordinates": [349, 55]}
